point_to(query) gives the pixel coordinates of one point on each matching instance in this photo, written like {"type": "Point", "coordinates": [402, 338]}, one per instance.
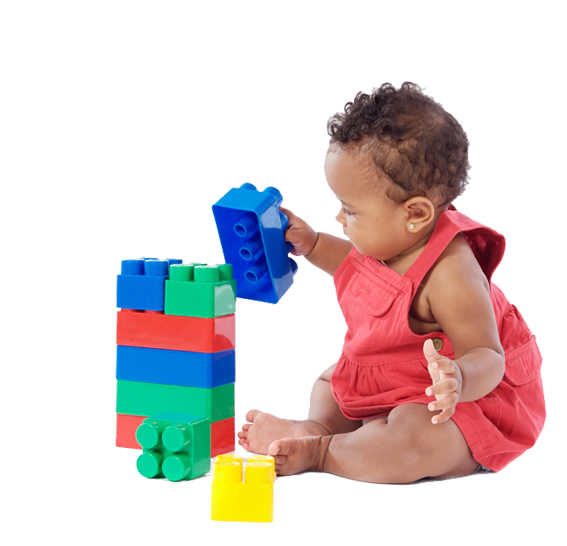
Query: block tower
{"type": "Point", "coordinates": [175, 346]}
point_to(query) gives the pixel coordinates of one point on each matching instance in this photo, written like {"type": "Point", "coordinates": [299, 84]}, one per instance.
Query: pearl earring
{"type": "Point", "coordinates": [411, 226]}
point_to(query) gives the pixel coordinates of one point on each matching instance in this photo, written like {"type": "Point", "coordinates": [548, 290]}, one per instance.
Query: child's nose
{"type": "Point", "coordinates": [340, 218]}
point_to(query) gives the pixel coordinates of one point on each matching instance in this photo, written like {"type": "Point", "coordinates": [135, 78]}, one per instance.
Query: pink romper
{"type": "Point", "coordinates": [382, 363]}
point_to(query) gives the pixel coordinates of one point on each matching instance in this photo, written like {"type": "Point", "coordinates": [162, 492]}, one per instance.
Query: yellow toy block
{"type": "Point", "coordinates": [287, 509]}
{"type": "Point", "coordinates": [236, 500]}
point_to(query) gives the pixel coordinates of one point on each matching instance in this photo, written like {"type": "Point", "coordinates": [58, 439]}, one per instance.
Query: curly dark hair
{"type": "Point", "coordinates": [413, 140]}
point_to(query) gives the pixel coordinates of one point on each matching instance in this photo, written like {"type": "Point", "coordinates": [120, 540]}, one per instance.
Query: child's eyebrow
{"type": "Point", "coordinates": [345, 203]}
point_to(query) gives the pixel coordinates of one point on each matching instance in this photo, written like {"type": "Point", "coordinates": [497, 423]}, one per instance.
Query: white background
{"type": "Point", "coordinates": [61, 63]}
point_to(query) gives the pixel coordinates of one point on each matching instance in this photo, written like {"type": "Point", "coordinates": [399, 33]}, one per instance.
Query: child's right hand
{"type": "Point", "coordinates": [300, 234]}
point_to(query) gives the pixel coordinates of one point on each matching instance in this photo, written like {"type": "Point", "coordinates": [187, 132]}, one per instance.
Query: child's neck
{"type": "Point", "coordinates": [400, 264]}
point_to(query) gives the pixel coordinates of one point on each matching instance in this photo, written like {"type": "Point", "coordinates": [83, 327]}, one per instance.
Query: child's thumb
{"type": "Point", "coordinates": [288, 213]}
{"type": "Point", "coordinates": [429, 351]}
{"type": "Point", "coordinates": [291, 219]}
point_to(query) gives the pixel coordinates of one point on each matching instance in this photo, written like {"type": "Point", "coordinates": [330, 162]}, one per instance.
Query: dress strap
{"type": "Point", "coordinates": [487, 245]}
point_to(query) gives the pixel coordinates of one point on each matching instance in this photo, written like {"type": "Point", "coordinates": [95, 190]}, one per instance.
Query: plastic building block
{"type": "Point", "coordinates": [258, 363]}
{"type": "Point", "coordinates": [135, 398]}
{"type": "Point", "coordinates": [223, 436]}
{"type": "Point", "coordinates": [126, 426]}
{"type": "Point", "coordinates": [118, 269]}
{"type": "Point", "coordinates": [159, 331]}
{"type": "Point", "coordinates": [189, 369]}
{"type": "Point", "coordinates": [141, 283]}
{"type": "Point", "coordinates": [199, 290]}
{"type": "Point", "coordinates": [287, 509]}
{"type": "Point", "coordinates": [176, 446]}
{"type": "Point", "coordinates": [222, 433]}
{"type": "Point", "coordinates": [170, 262]}
{"type": "Point", "coordinates": [251, 230]}
{"type": "Point", "coordinates": [236, 499]}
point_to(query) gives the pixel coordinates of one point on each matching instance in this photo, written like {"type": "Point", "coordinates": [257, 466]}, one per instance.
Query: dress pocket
{"type": "Point", "coordinates": [370, 293]}
{"type": "Point", "coordinates": [523, 364]}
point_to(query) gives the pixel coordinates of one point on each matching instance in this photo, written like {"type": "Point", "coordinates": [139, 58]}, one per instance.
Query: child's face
{"type": "Point", "coordinates": [376, 225]}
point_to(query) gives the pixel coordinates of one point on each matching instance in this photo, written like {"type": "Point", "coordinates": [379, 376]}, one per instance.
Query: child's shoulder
{"type": "Point", "coordinates": [457, 263]}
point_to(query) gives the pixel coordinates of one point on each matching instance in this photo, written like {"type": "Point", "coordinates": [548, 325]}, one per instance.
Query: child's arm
{"type": "Point", "coordinates": [459, 299]}
{"type": "Point", "coordinates": [322, 250]}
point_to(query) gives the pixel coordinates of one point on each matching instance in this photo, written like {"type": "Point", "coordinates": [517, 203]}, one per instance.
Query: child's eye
{"type": "Point", "coordinates": [347, 212]}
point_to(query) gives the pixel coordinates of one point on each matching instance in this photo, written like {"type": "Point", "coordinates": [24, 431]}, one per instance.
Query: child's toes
{"type": "Point", "coordinates": [251, 415]}
{"type": "Point", "coordinates": [284, 453]}
{"type": "Point", "coordinates": [274, 448]}
{"type": "Point", "coordinates": [280, 448]}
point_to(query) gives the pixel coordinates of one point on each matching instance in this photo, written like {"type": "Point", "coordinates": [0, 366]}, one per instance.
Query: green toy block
{"type": "Point", "coordinates": [199, 290]}
{"type": "Point", "coordinates": [136, 398]}
{"type": "Point", "coordinates": [175, 445]}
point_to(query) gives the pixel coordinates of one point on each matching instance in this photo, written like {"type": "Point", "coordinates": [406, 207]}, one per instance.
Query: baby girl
{"type": "Point", "coordinates": [439, 374]}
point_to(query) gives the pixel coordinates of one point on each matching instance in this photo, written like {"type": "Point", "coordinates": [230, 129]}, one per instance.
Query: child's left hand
{"type": "Point", "coordinates": [447, 383]}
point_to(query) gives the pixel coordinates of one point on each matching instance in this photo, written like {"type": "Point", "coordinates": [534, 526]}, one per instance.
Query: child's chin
{"type": "Point", "coordinates": [362, 251]}
{"type": "Point", "coordinates": [367, 253]}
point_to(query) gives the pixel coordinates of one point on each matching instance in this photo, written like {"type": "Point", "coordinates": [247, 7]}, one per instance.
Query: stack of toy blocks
{"type": "Point", "coordinates": [175, 346]}
{"type": "Point", "coordinates": [238, 497]}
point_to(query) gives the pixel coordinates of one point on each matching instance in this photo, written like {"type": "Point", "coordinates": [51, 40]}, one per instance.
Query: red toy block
{"type": "Point", "coordinates": [222, 437]}
{"type": "Point", "coordinates": [158, 331]}
{"type": "Point", "coordinates": [222, 433]}
{"type": "Point", "coordinates": [126, 426]}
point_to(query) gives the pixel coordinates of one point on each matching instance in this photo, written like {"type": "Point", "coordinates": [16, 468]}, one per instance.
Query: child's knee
{"type": "Point", "coordinates": [326, 375]}
{"type": "Point", "coordinates": [409, 434]}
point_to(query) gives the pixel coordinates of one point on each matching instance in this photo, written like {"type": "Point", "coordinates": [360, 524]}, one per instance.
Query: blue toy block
{"type": "Point", "coordinates": [170, 261]}
{"type": "Point", "coordinates": [251, 229]}
{"type": "Point", "coordinates": [167, 367]}
{"type": "Point", "coordinates": [258, 363]}
{"type": "Point", "coordinates": [141, 284]}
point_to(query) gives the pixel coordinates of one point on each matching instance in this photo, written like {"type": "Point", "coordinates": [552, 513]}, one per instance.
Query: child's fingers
{"type": "Point", "coordinates": [445, 415]}
{"type": "Point", "coordinates": [435, 360]}
{"type": "Point", "coordinates": [443, 387]}
{"type": "Point", "coordinates": [290, 216]}
{"type": "Point", "coordinates": [429, 351]}
{"type": "Point", "coordinates": [447, 402]}
{"type": "Point", "coordinates": [445, 365]}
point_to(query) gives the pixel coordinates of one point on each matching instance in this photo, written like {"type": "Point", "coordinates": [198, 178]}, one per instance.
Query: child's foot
{"type": "Point", "coordinates": [265, 429]}
{"type": "Point", "coordinates": [295, 455]}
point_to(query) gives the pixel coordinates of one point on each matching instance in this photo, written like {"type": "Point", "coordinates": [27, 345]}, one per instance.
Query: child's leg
{"type": "Point", "coordinates": [403, 448]}
{"type": "Point", "coordinates": [325, 418]}
{"type": "Point", "coordinates": [324, 410]}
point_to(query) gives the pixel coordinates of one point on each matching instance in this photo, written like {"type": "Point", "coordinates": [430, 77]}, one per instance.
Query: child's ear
{"type": "Point", "coordinates": [420, 212]}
